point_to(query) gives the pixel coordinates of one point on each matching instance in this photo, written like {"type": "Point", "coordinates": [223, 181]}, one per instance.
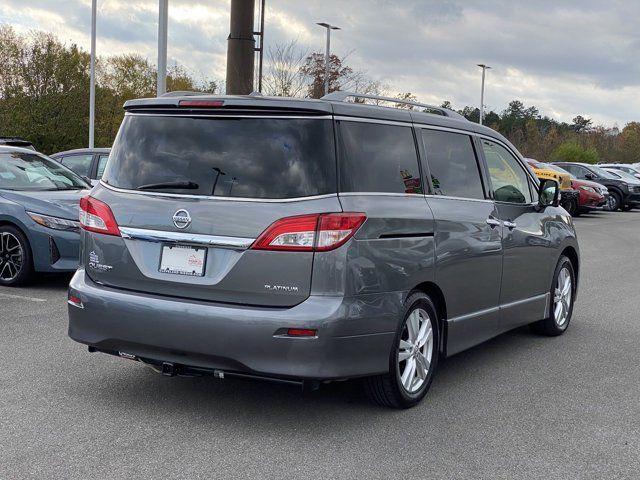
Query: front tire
{"type": "Point", "coordinates": [16, 264]}
{"type": "Point", "coordinates": [614, 202]}
{"type": "Point", "coordinates": [413, 358]}
{"type": "Point", "coordinates": [563, 292]}
{"type": "Point", "coordinates": [572, 207]}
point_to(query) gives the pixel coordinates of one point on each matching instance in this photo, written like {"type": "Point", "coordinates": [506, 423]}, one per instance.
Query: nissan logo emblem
{"type": "Point", "coordinates": [181, 219]}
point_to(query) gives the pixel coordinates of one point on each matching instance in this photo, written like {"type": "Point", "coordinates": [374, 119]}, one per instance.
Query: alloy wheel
{"type": "Point", "coordinates": [562, 297]}
{"type": "Point", "coordinates": [11, 257]}
{"type": "Point", "coordinates": [415, 350]}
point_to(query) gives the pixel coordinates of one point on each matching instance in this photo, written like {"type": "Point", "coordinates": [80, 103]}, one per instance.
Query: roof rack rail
{"type": "Point", "coordinates": [340, 96]}
{"type": "Point", "coordinates": [182, 93]}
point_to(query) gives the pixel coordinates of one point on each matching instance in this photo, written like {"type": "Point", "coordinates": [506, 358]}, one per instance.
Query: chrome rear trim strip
{"type": "Point", "coordinates": [159, 236]}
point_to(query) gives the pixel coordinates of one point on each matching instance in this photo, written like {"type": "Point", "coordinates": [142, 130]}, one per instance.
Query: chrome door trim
{"type": "Point", "coordinates": [465, 199]}
{"type": "Point", "coordinates": [478, 313]}
{"type": "Point", "coordinates": [160, 236]}
{"type": "Point", "coordinates": [209, 197]}
{"type": "Point", "coordinates": [503, 306]}
{"type": "Point", "coordinates": [535, 298]}
{"type": "Point", "coordinates": [379, 194]}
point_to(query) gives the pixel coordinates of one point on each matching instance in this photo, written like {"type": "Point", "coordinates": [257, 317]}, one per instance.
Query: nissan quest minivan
{"type": "Point", "coordinates": [307, 241]}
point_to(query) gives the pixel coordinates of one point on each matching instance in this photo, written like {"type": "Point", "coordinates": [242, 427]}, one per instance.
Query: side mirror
{"type": "Point", "coordinates": [548, 194]}
{"type": "Point", "coordinates": [589, 176]}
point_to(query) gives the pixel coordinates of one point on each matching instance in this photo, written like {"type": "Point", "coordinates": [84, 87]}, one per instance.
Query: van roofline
{"type": "Point", "coordinates": [331, 105]}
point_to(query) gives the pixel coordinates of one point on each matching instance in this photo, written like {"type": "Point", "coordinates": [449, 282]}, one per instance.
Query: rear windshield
{"type": "Point", "coordinates": [228, 157]}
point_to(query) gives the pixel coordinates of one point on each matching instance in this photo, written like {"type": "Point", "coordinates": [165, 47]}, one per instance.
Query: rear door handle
{"type": "Point", "coordinates": [509, 225]}
{"type": "Point", "coordinates": [492, 222]}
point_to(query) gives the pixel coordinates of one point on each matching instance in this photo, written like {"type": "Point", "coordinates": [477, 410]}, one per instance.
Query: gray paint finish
{"type": "Point", "coordinates": [492, 277]}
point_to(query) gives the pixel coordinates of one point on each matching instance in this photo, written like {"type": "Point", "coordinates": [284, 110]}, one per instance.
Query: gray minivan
{"type": "Point", "coordinates": [306, 241]}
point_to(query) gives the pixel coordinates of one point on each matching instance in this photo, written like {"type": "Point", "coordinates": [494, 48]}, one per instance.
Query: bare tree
{"type": "Point", "coordinates": [283, 76]}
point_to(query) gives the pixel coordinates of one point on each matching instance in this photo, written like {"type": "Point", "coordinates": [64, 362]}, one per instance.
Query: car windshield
{"type": "Point", "coordinates": [600, 172]}
{"type": "Point", "coordinates": [560, 169]}
{"type": "Point", "coordinates": [35, 172]}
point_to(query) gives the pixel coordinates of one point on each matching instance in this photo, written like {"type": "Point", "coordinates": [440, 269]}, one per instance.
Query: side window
{"type": "Point", "coordinates": [508, 178]}
{"type": "Point", "coordinates": [378, 158]}
{"type": "Point", "coordinates": [577, 170]}
{"type": "Point", "coordinates": [80, 164]}
{"type": "Point", "coordinates": [102, 164]}
{"type": "Point", "coordinates": [582, 172]}
{"type": "Point", "coordinates": [452, 164]}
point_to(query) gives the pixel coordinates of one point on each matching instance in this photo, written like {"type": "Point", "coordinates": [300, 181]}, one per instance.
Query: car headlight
{"type": "Point", "coordinates": [55, 223]}
{"type": "Point", "coordinates": [588, 189]}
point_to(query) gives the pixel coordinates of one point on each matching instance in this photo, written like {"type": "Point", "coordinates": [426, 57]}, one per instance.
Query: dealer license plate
{"type": "Point", "coordinates": [183, 260]}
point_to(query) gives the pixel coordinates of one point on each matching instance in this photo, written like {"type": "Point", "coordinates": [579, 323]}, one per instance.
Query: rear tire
{"type": "Point", "coordinates": [413, 359]}
{"type": "Point", "coordinates": [563, 292]}
{"type": "Point", "coordinates": [16, 263]}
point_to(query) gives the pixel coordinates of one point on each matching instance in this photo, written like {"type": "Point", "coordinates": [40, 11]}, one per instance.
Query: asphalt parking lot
{"type": "Point", "coordinates": [519, 406]}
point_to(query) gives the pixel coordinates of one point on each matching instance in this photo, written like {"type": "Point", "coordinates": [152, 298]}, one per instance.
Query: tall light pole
{"type": "Point", "coordinates": [241, 48]}
{"type": "Point", "coordinates": [163, 21]}
{"type": "Point", "coordinates": [92, 77]}
{"type": "Point", "coordinates": [327, 58]}
{"type": "Point", "coordinates": [484, 69]}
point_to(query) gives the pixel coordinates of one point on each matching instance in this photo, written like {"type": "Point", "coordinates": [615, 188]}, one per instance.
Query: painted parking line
{"type": "Point", "coordinates": [22, 297]}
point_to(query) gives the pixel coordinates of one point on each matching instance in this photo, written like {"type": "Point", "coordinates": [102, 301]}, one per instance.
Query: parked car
{"type": "Point", "coordinates": [39, 229]}
{"type": "Point", "coordinates": [86, 162]}
{"type": "Point", "coordinates": [625, 167]}
{"type": "Point", "coordinates": [621, 195]}
{"type": "Point", "coordinates": [592, 195]}
{"type": "Point", "coordinates": [622, 175]}
{"type": "Point", "coordinates": [570, 197]}
{"type": "Point", "coordinates": [315, 240]}
{"type": "Point", "coordinates": [16, 142]}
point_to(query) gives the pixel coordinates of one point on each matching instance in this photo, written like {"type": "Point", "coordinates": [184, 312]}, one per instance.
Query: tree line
{"type": "Point", "coordinates": [44, 97]}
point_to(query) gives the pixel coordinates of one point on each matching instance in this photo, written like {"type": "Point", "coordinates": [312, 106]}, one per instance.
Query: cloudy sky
{"type": "Point", "coordinates": [567, 57]}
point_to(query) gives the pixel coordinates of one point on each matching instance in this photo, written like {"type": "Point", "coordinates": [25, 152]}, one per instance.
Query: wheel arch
{"type": "Point", "coordinates": [5, 222]}
{"type": "Point", "coordinates": [572, 254]}
{"type": "Point", "coordinates": [437, 297]}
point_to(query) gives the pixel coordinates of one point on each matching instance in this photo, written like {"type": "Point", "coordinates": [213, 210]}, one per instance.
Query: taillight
{"type": "Point", "coordinates": [301, 332]}
{"type": "Point", "coordinates": [96, 216]}
{"type": "Point", "coordinates": [307, 233]}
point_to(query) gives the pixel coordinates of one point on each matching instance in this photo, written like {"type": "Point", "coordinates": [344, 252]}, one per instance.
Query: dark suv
{"type": "Point", "coordinates": [315, 240]}
{"type": "Point", "coordinates": [621, 195]}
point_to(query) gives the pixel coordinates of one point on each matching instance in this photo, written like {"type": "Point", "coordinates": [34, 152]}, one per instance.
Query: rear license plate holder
{"type": "Point", "coordinates": [184, 260]}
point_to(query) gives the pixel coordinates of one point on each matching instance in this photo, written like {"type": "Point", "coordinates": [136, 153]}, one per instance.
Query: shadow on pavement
{"type": "Point", "coordinates": [130, 386]}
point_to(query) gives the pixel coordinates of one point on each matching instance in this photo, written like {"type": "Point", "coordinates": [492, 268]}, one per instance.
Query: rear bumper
{"type": "Point", "coordinates": [355, 335]}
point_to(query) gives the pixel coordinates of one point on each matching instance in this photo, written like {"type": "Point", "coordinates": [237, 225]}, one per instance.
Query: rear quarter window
{"type": "Point", "coordinates": [270, 158]}
{"type": "Point", "coordinates": [378, 158]}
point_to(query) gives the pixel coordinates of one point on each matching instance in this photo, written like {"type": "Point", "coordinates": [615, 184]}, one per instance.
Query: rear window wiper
{"type": "Point", "coordinates": [176, 185]}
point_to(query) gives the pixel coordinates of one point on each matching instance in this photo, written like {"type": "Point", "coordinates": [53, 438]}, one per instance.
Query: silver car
{"type": "Point", "coordinates": [306, 241]}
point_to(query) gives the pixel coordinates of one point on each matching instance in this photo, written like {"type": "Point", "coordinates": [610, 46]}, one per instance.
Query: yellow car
{"type": "Point", "coordinates": [569, 197]}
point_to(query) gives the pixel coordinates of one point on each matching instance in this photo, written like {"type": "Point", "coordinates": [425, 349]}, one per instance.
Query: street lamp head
{"type": "Point", "coordinates": [326, 25]}
{"type": "Point", "coordinates": [482, 65]}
